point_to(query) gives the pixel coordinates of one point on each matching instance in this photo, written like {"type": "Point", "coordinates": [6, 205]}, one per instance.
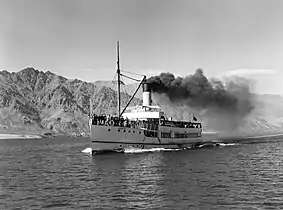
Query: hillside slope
{"type": "Point", "coordinates": [33, 101]}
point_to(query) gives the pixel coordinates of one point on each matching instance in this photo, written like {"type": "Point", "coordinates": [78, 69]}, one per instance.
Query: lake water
{"type": "Point", "coordinates": [55, 174]}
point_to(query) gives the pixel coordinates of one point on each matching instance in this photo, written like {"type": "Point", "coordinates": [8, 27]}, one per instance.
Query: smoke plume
{"type": "Point", "coordinates": [226, 104]}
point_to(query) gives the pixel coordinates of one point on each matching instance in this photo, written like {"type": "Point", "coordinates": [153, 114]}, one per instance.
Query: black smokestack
{"type": "Point", "coordinates": [231, 99]}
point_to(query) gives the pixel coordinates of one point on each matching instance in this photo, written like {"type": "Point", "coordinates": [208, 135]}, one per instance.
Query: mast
{"type": "Point", "coordinates": [118, 72]}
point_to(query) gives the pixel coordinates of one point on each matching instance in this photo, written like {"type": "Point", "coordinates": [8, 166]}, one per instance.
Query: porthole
{"type": "Point", "coordinates": [108, 129]}
{"type": "Point", "coordinates": [118, 130]}
{"type": "Point", "coordinates": [120, 145]}
{"type": "Point", "coordinates": [134, 131]}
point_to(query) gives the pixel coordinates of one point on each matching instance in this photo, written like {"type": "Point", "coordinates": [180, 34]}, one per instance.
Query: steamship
{"type": "Point", "coordinates": [143, 127]}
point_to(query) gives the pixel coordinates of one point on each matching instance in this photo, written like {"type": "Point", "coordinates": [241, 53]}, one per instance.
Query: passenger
{"type": "Point", "coordinates": [121, 122]}
{"type": "Point", "coordinates": [132, 124]}
{"type": "Point", "coordinates": [141, 124]}
{"type": "Point", "coordinates": [115, 121]}
{"type": "Point", "coordinates": [101, 120]}
{"type": "Point", "coordinates": [108, 119]}
{"type": "Point", "coordinates": [104, 119]}
{"type": "Point", "coordinates": [94, 120]}
{"type": "Point", "coordinates": [137, 123]}
{"type": "Point", "coordinates": [127, 122]}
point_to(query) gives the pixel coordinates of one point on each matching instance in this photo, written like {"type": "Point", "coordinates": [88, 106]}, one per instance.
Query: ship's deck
{"type": "Point", "coordinates": [150, 123]}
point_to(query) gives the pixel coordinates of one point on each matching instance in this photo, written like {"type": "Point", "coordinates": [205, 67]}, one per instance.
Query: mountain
{"type": "Point", "coordinates": [32, 101]}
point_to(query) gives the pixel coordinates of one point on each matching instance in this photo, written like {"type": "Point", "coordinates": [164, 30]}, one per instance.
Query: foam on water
{"type": "Point", "coordinates": [136, 150]}
{"type": "Point", "coordinates": [227, 144]}
{"type": "Point", "coordinates": [87, 150]}
{"type": "Point", "coordinates": [32, 137]}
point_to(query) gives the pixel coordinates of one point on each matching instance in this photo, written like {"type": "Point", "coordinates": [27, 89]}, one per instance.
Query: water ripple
{"type": "Point", "coordinates": [49, 174]}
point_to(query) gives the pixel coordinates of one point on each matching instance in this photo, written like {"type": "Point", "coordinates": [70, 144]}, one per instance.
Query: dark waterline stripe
{"type": "Point", "coordinates": [114, 142]}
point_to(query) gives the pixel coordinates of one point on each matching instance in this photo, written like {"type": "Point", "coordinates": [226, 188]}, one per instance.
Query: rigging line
{"type": "Point", "coordinates": [113, 81]}
{"type": "Point", "coordinates": [114, 77]}
{"type": "Point", "coordinates": [132, 73]}
{"type": "Point", "coordinates": [122, 86]}
{"type": "Point", "coordinates": [130, 78]}
{"type": "Point", "coordinates": [144, 78]}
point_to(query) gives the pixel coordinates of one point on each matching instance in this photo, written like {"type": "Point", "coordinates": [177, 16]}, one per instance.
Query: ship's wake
{"type": "Point", "coordinates": [228, 144]}
{"type": "Point", "coordinates": [88, 150]}
{"type": "Point", "coordinates": [136, 150]}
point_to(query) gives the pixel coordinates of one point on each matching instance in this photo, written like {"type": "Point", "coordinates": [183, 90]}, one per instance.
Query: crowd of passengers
{"type": "Point", "coordinates": [150, 124]}
{"type": "Point", "coordinates": [113, 121]}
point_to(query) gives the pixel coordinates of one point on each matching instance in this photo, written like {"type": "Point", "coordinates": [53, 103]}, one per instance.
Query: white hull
{"type": "Point", "coordinates": [110, 138]}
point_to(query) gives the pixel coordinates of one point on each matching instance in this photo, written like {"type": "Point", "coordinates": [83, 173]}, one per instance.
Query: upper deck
{"type": "Point", "coordinates": [143, 112]}
{"type": "Point", "coordinates": [154, 113]}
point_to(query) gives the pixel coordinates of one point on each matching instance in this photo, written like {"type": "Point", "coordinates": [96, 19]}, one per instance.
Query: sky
{"type": "Point", "coordinates": [77, 39]}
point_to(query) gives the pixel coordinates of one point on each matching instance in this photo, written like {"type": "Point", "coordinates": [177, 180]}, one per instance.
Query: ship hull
{"type": "Point", "coordinates": [117, 139]}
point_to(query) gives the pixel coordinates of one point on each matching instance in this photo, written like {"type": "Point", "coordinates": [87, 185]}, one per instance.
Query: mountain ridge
{"type": "Point", "coordinates": [51, 103]}
{"type": "Point", "coordinates": [33, 101]}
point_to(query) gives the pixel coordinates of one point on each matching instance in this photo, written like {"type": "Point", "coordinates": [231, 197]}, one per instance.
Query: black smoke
{"type": "Point", "coordinates": [230, 100]}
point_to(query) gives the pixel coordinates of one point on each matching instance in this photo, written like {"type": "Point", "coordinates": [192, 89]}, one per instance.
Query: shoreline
{"type": "Point", "coordinates": [19, 136]}
{"type": "Point", "coordinates": [7, 136]}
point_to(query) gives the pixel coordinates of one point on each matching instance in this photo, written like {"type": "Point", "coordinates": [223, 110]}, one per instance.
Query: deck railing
{"type": "Point", "coordinates": [144, 124]}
